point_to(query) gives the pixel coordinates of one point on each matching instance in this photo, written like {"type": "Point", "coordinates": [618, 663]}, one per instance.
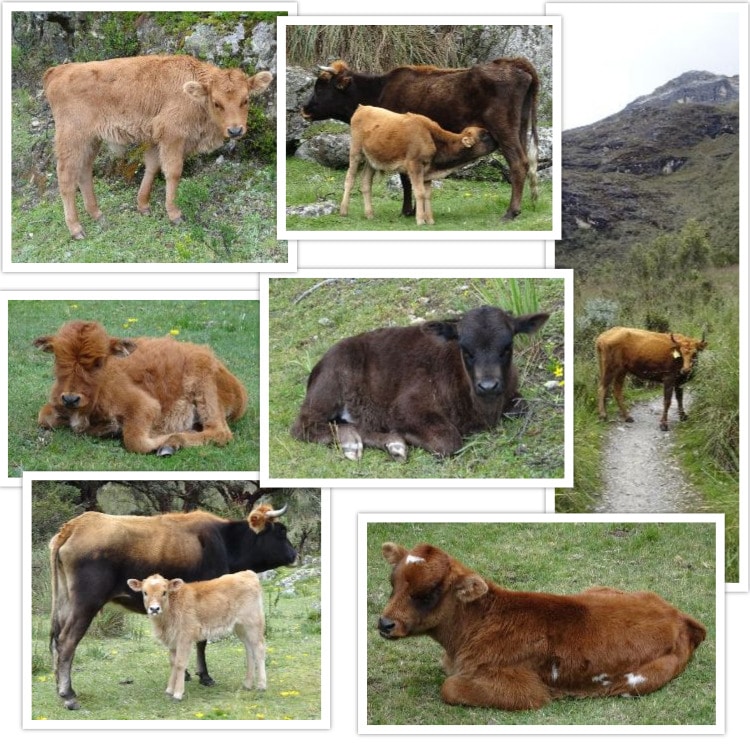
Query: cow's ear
{"type": "Point", "coordinates": [176, 584]}
{"type": "Point", "coordinates": [195, 90]}
{"type": "Point", "coordinates": [135, 584]}
{"type": "Point", "coordinates": [529, 323]}
{"type": "Point", "coordinates": [122, 347]}
{"type": "Point", "coordinates": [260, 82]}
{"type": "Point", "coordinates": [444, 329]}
{"type": "Point", "coordinates": [342, 82]}
{"type": "Point", "coordinates": [468, 141]}
{"type": "Point", "coordinates": [45, 343]}
{"type": "Point", "coordinates": [393, 553]}
{"type": "Point", "coordinates": [471, 587]}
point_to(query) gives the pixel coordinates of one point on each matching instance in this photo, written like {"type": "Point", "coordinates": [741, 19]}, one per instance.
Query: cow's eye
{"type": "Point", "coordinates": [468, 357]}
{"type": "Point", "coordinates": [218, 106]}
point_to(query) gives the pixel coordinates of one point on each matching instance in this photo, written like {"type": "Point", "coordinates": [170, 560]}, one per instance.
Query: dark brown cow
{"type": "Point", "coordinates": [177, 106]}
{"type": "Point", "coordinates": [517, 650]}
{"type": "Point", "coordinates": [159, 394]}
{"type": "Point", "coordinates": [93, 555]}
{"type": "Point", "coordinates": [500, 96]}
{"type": "Point", "coordinates": [667, 358]}
{"type": "Point", "coordinates": [425, 385]}
{"type": "Point", "coordinates": [408, 143]}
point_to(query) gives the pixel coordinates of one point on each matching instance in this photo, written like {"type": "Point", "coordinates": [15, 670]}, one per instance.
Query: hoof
{"type": "Point", "coordinates": [629, 419]}
{"type": "Point", "coordinates": [166, 450]}
{"type": "Point", "coordinates": [664, 427]}
{"type": "Point", "coordinates": [71, 704]}
{"type": "Point", "coordinates": [206, 680]}
{"type": "Point", "coordinates": [79, 235]}
{"type": "Point", "coordinates": [397, 450]}
{"type": "Point", "coordinates": [352, 451]}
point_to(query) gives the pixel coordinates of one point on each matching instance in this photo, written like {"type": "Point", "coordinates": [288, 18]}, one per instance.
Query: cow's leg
{"type": "Point", "coordinates": [650, 676]}
{"type": "Point", "coordinates": [75, 158]}
{"type": "Point", "coordinates": [416, 174]}
{"type": "Point", "coordinates": [255, 655]}
{"type": "Point", "coordinates": [68, 629]}
{"type": "Point", "coordinates": [171, 157]}
{"type": "Point", "coordinates": [619, 381]}
{"type": "Point", "coordinates": [664, 423]}
{"type": "Point", "coordinates": [511, 689]}
{"type": "Point", "coordinates": [176, 686]}
{"type": "Point", "coordinates": [392, 442]}
{"type": "Point", "coordinates": [518, 164]}
{"type": "Point", "coordinates": [429, 218]}
{"type": "Point", "coordinates": [407, 207]}
{"type": "Point", "coordinates": [678, 396]}
{"type": "Point", "coordinates": [86, 181]}
{"type": "Point", "coordinates": [604, 384]}
{"type": "Point", "coordinates": [49, 417]}
{"type": "Point", "coordinates": [152, 166]}
{"type": "Point", "coordinates": [367, 175]}
{"type": "Point", "coordinates": [201, 668]}
{"type": "Point", "coordinates": [351, 176]}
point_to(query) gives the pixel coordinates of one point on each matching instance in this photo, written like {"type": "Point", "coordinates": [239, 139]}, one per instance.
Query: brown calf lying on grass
{"type": "Point", "coordinates": [518, 650]}
{"type": "Point", "coordinates": [186, 613]}
{"type": "Point", "coordinates": [412, 144]}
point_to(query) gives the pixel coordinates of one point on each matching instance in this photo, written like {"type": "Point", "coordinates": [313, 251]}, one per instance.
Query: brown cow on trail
{"type": "Point", "coordinates": [159, 394]}
{"type": "Point", "coordinates": [426, 385]}
{"type": "Point", "coordinates": [518, 650]}
{"type": "Point", "coordinates": [186, 613]}
{"type": "Point", "coordinates": [667, 358]}
{"type": "Point", "coordinates": [94, 554]}
{"type": "Point", "coordinates": [176, 106]}
{"type": "Point", "coordinates": [500, 96]}
{"type": "Point", "coordinates": [408, 143]}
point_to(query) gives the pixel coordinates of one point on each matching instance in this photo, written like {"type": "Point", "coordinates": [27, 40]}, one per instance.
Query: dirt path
{"type": "Point", "coordinates": [641, 473]}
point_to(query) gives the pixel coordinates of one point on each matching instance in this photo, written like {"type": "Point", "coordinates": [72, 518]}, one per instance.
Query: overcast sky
{"type": "Point", "coordinates": [614, 53]}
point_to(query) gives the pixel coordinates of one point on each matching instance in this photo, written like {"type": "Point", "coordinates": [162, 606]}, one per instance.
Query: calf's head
{"type": "Point", "coordinates": [156, 590]}
{"type": "Point", "coordinates": [687, 349]}
{"type": "Point", "coordinates": [427, 588]}
{"type": "Point", "coordinates": [226, 96]}
{"type": "Point", "coordinates": [81, 349]}
{"type": "Point", "coordinates": [485, 338]}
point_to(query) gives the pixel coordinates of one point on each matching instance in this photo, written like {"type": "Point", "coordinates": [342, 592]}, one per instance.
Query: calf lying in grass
{"type": "Point", "coordinates": [184, 613]}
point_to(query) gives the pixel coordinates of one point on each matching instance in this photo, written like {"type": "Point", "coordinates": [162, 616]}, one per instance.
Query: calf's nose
{"type": "Point", "coordinates": [154, 609]}
{"type": "Point", "coordinates": [385, 626]}
{"type": "Point", "coordinates": [235, 132]}
{"type": "Point", "coordinates": [488, 386]}
{"type": "Point", "coordinates": [71, 400]}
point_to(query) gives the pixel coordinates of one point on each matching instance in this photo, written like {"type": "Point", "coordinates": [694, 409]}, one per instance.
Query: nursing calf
{"type": "Point", "coordinates": [186, 613]}
{"type": "Point", "coordinates": [426, 385]}
{"type": "Point", "coordinates": [518, 650]}
{"type": "Point", "coordinates": [410, 144]}
{"type": "Point", "coordinates": [158, 394]}
{"type": "Point", "coordinates": [175, 105]}
{"type": "Point", "coordinates": [667, 358]}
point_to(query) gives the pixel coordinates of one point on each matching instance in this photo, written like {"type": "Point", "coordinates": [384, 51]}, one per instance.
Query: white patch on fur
{"type": "Point", "coordinates": [634, 679]}
{"type": "Point", "coordinates": [555, 673]}
{"type": "Point", "coordinates": [602, 679]}
{"type": "Point", "coordinates": [414, 559]}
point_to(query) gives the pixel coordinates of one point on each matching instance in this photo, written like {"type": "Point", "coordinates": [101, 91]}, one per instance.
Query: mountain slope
{"type": "Point", "coordinates": [667, 157]}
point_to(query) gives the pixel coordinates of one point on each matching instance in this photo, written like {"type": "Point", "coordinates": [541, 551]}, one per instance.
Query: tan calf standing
{"type": "Point", "coordinates": [412, 144]}
{"type": "Point", "coordinates": [185, 613]}
{"type": "Point", "coordinates": [175, 105]}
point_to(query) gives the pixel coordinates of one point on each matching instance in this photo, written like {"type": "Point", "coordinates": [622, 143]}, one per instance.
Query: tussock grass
{"type": "Point", "coordinates": [229, 327]}
{"type": "Point", "coordinates": [305, 322]}
{"type": "Point", "coordinates": [404, 677]}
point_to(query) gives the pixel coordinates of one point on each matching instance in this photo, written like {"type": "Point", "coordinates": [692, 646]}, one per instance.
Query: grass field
{"type": "Point", "coordinates": [458, 205]}
{"type": "Point", "coordinates": [229, 327]}
{"type": "Point", "coordinates": [123, 677]}
{"type": "Point", "coordinates": [301, 331]}
{"type": "Point", "coordinates": [676, 560]}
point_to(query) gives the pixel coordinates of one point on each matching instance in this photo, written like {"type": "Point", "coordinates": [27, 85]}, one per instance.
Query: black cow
{"type": "Point", "coordinates": [500, 96]}
{"type": "Point", "coordinates": [94, 554]}
{"type": "Point", "coordinates": [426, 385]}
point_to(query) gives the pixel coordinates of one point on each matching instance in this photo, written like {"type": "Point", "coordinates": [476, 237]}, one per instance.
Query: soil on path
{"type": "Point", "coordinates": [641, 473]}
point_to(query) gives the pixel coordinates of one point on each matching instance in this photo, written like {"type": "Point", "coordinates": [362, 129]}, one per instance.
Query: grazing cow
{"type": "Point", "coordinates": [517, 650]}
{"type": "Point", "coordinates": [408, 143]}
{"type": "Point", "coordinates": [176, 106]}
{"type": "Point", "coordinates": [186, 613]}
{"type": "Point", "coordinates": [159, 394]}
{"type": "Point", "coordinates": [667, 358]}
{"type": "Point", "coordinates": [500, 96]}
{"type": "Point", "coordinates": [425, 385]}
{"type": "Point", "coordinates": [93, 555]}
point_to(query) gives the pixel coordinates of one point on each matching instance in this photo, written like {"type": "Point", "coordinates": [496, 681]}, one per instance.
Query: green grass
{"type": "Point", "coordinates": [229, 207]}
{"type": "Point", "coordinates": [459, 205]}
{"type": "Point", "coordinates": [125, 677]}
{"type": "Point", "coordinates": [229, 327]}
{"type": "Point", "coordinates": [677, 561]}
{"type": "Point", "coordinates": [301, 332]}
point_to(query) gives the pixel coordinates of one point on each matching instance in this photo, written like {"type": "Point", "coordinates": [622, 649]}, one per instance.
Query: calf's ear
{"type": "Point", "coordinates": [393, 553]}
{"type": "Point", "coordinates": [529, 323]}
{"type": "Point", "coordinates": [45, 343]}
{"type": "Point", "coordinates": [135, 584]}
{"type": "Point", "coordinates": [176, 583]}
{"type": "Point", "coordinates": [122, 347]}
{"type": "Point", "coordinates": [471, 587]}
{"type": "Point", "coordinates": [444, 329]}
{"type": "Point", "coordinates": [195, 90]}
{"type": "Point", "coordinates": [260, 82]}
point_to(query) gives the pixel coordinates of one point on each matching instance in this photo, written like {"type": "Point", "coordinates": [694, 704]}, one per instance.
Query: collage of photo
{"type": "Point", "coordinates": [329, 328]}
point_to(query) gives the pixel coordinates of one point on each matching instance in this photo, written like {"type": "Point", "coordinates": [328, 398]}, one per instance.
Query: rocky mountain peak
{"type": "Point", "coordinates": [693, 87]}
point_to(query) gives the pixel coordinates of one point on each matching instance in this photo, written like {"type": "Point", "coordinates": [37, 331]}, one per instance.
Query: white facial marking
{"type": "Point", "coordinates": [413, 559]}
{"type": "Point", "coordinates": [634, 679]}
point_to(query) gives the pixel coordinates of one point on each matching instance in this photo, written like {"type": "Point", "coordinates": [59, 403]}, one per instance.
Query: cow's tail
{"type": "Point", "coordinates": [60, 597]}
{"type": "Point", "coordinates": [529, 120]}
